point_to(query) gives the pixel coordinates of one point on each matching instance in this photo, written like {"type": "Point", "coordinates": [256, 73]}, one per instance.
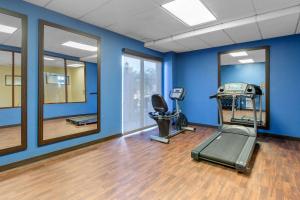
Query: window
{"type": "Point", "coordinates": [141, 79]}
{"type": "Point", "coordinates": [64, 81]}
{"type": "Point", "coordinates": [10, 79]}
{"type": "Point", "coordinates": [76, 81]}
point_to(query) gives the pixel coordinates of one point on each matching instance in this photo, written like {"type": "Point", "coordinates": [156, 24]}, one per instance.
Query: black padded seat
{"type": "Point", "coordinates": [159, 104]}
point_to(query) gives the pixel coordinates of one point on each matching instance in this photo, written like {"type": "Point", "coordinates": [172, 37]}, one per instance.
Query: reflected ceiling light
{"type": "Point", "coordinates": [244, 61]}
{"type": "Point", "coordinates": [48, 58]}
{"type": "Point", "coordinates": [7, 29]}
{"type": "Point", "coordinates": [191, 12]}
{"type": "Point", "coordinates": [89, 57]}
{"type": "Point", "coordinates": [239, 54]}
{"type": "Point", "coordinates": [75, 65]}
{"type": "Point", "coordinates": [81, 46]}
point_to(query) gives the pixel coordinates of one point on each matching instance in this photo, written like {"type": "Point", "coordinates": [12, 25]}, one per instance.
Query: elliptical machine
{"type": "Point", "coordinates": [165, 119]}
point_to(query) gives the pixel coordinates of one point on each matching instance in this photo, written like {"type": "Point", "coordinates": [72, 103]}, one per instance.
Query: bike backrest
{"type": "Point", "coordinates": [159, 104]}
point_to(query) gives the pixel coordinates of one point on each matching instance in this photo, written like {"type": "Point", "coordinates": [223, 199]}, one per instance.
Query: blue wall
{"type": "Point", "coordinates": [111, 77]}
{"type": "Point", "coordinates": [253, 73]}
{"type": "Point", "coordinates": [10, 116]}
{"type": "Point", "coordinates": [197, 71]}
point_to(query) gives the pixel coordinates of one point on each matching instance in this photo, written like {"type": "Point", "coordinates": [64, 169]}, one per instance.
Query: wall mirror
{"type": "Point", "coordinates": [247, 66]}
{"type": "Point", "coordinates": [69, 85]}
{"type": "Point", "coordinates": [13, 68]}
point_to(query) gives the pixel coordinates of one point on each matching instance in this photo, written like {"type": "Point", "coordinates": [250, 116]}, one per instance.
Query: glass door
{"type": "Point", "coordinates": [141, 79]}
{"type": "Point", "coordinates": [152, 85]}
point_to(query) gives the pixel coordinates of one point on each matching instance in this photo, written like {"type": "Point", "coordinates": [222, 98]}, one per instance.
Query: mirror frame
{"type": "Point", "coordinates": [41, 141]}
{"type": "Point", "coordinates": [267, 79]}
{"type": "Point", "coordinates": [24, 21]}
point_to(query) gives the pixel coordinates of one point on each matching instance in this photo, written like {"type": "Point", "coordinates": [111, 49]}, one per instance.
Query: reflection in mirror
{"type": "Point", "coordinates": [245, 66]}
{"type": "Point", "coordinates": [11, 71]}
{"type": "Point", "coordinates": [69, 103]}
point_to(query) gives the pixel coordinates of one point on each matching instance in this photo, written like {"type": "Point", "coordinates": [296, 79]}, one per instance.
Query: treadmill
{"type": "Point", "coordinates": [231, 145]}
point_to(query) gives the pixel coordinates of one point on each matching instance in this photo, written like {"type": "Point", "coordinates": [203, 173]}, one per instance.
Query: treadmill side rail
{"type": "Point", "coordinates": [245, 155]}
{"type": "Point", "coordinates": [196, 152]}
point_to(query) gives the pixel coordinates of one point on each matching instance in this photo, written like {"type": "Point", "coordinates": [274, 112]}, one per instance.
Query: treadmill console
{"type": "Point", "coordinates": [239, 89]}
{"type": "Point", "coordinates": [177, 94]}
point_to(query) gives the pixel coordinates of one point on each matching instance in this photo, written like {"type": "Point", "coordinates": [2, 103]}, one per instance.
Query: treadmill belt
{"type": "Point", "coordinates": [225, 149]}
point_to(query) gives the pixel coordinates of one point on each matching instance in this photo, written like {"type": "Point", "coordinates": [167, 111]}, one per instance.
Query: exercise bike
{"type": "Point", "coordinates": [169, 123]}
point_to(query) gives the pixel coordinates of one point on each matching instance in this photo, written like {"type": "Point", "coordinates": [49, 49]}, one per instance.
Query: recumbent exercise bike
{"type": "Point", "coordinates": [165, 119]}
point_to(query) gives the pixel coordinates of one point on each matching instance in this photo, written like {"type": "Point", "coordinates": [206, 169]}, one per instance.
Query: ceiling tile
{"type": "Point", "coordinates": [15, 39]}
{"type": "Point", "coordinates": [226, 10]}
{"type": "Point", "coordinates": [159, 49]}
{"type": "Point", "coordinates": [41, 3]}
{"type": "Point", "coordinates": [172, 46]}
{"type": "Point", "coordinates": [11, 39]}
{"type": "Point", "coordinates": [158, 20]}
{"type": "Point", "coordinates": [263, 6]}
{"type": "Point", "coordinates": [74, 8]}
{"type": "Point", "coordinates": [193, 43]}
{"type": "Point", "coordinates": [256, 55]}
{"type": "Point", "coordinates": [115, 11]}
{"type": "Point", "coordinates": [138, 28]}
{"type": "Point", "coordinates": [54, 38]}
{"type": "Point", "coordinates": [215, 39]}
{"type": "Point", "coordinates": [245, 33]}
{"type": "Point", "coordinates": [153, 24]}
{"type": "Point", "coordinates": [279, 27]}
{"type": "Point", "coordinates": [298, 25]}
{"type": "Point", "coordinates": [9, 20]}
{"type": "Point", "coordinates": [4, 37]}
{"type": "Point", "coordinates": [161, 2]}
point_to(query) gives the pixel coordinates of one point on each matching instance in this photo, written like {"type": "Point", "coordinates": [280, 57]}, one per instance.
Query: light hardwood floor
{"type": "Point", "coordinates": [134, 167]}
{"type": "Point", "coordinates": [54, 128]}
{"type": "Point", "coordinates": [10, 137]}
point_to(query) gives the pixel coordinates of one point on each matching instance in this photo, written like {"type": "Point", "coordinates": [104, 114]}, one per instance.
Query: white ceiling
{"type": "Point", "coordinates": [14, 39]}
{"type": "Point", "coordinates": [54, 38]}
{"type": "Point", "coordinates": [146, 21]}
{"type": "Point", "coordinates": [256, 55]}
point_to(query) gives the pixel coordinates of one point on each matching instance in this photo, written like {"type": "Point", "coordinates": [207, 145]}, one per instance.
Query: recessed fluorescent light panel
{"type": "Point", "coordinates": [239, 54]}
{"type": "Point", "coordinates": [75, 65]}
{"type": "Point", "coordinates": [48, 58]}
{"type": "Point", "coordinates": [80, 46]}
{"type": "Point", "coordinates": [244, 61]}
{"type": "Point", "coordinates": [7, 29]}
{"type": "Point", "coordinates": [191, 12]}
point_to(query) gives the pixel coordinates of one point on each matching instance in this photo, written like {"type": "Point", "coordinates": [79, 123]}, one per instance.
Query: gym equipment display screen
{"type": "Point", "coordinates": [69, 85]}
{"type": "Point", "coordinates": [249, 66]}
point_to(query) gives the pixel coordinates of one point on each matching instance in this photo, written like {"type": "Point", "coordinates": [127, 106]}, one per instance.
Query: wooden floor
{"type": "Point", "coordinates": [136, 168]}
{"type": "Point", "coordinates": [54, 128]}
{"type": "Point", "coordinates": [10, 137]}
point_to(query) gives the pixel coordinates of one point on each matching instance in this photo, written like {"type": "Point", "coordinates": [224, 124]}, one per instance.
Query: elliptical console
{"type": "Point", "coordinates": [177, 94]}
